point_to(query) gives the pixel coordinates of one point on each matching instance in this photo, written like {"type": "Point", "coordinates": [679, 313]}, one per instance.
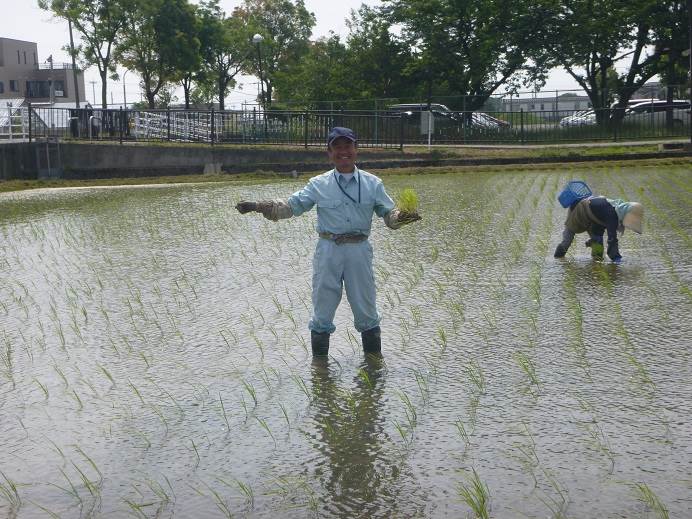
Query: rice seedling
{"type": "Point", "coordinates": [223, 411]}
{"type": "Point", "coordinates": [194, 447]}
{"type": "Point", "coordinates": [42, 386]}
{"type": "Point", "coordinates": [528, 367]}
{"type": "Point", "coordinates": [107, 374]}
{"type": "Point", "coordinates": [264, 425]}
{"type": "Point", "coordinates": [365, 377]}
{"type": "Point", "coordinates": [442, 338]}
{"type": "Point", "coordinates": [221, 503]}
{"type": "Point", "coordinates": [9, 491]}
{"type": "Point", "coordinates": [251, 391]}
{"type": "Point", "coordinates": [410, 410]}
{"type": "Point", "coordinates": [476, 495]}
{"type": "Point", "coordinates": [285, 415]}
{"type": "Point", "coordinates": [461, 429]}
{"type": "Point", "coordinates": [475, 374]}
{"type": "Point", "coordinates": [247, 491]}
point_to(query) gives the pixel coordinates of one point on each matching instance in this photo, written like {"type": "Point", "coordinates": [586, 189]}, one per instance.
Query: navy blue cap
{"type": "Point", "coordinates": [340, 131]}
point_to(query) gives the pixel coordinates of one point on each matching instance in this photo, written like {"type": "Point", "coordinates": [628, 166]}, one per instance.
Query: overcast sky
{"type": "Point", "coordinates": [23, 20]}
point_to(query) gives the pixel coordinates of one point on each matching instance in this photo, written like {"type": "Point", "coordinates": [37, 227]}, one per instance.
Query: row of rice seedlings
{"type": "Point", "coordinates": [663, 247]}
{"type": "Point", "coordinates": [576, 321]}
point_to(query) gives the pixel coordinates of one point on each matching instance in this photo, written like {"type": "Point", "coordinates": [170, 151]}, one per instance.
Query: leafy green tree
{"type": "Point", "coordinates": [178, 27]}
{"type": "Point", "coordinates": [321, 75]}
{"type": "Point", "coordinates": [99, 23]}
{"type": "Point", "coordinates": [381, 65]}
{"type": "Point", "coordinates": [468, 48]}
{"type": "Point", "coordinates": [225, 46]}
{"type": "Point", "coordinates": [159, 42]}
{"type": "Point", "coordinates": [612, 54]}
{"type": "Point", "coordinates": [286, 27]}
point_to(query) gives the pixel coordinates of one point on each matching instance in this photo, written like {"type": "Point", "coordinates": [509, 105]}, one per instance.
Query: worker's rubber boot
{"type": "Point", "coordinates": [320, 343]}
{"type": "Point", "coordinates": [372, 340]}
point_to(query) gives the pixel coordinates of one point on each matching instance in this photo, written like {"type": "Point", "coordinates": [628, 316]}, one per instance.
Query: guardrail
{"type": "Point", "coordinates": [374, 129]}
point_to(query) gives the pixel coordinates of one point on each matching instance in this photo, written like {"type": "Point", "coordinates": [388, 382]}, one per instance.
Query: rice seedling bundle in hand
{"type": "Point", "coordinates": [407, 204]}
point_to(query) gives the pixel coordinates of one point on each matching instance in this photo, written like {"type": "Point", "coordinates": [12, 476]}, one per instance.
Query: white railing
{"type": "Point", "coordinates": [14, 123]}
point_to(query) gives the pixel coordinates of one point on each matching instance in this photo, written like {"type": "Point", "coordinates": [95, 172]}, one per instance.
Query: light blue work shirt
{"type": "Point", "coordinates": [343, 207]}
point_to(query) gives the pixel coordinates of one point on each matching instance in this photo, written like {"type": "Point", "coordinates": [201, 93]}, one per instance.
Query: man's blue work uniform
{"type": "Point", "coordinates": [344, 207]}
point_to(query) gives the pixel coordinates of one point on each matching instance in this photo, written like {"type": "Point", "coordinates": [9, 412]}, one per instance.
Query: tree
{"type": "Point", "coordinates": [468, 48]}
{"type": "Point", "coordinates": [380, 64]}
{"type": "Point", "coordinates": [286, 27]}
{"type": "Point", "coordinates": [178, 27]}
{"type": "Point", "coordinates": [613, 54]}
{"type": "Point", "coordinates": [225, 46]}
{"type": "Point", "coordinates": [99, 23]}
{"type": "Point", "coordinates": [159, 42]}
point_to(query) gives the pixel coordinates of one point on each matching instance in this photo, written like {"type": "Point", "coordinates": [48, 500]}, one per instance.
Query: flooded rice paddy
{"type": "Point", "coordinates": [154, 357]}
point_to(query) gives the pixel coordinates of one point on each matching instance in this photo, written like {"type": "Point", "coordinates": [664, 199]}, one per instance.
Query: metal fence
{"type": "Point", "coordinates": [374, 128]}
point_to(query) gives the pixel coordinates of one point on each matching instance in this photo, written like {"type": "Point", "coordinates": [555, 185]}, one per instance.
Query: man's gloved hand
{"type": "Point", "coordinates": [560, 251]}
{"type": "Point", "coordinates": [406, 218]}
{"type": "Point", "coordinates": [244, 206]}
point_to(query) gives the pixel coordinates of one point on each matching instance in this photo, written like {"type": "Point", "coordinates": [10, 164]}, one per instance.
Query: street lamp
{"type": "Point", "coordinates": [125, 93]}
{"type": "Point", "coordinates": [257, 39]}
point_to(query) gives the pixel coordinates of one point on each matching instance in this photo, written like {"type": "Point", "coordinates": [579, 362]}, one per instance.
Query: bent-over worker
{"type": "Point", "coordinates": [595, 215]}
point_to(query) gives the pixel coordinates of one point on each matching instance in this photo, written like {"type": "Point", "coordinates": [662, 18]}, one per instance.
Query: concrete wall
{"type": "Point", "coordinates": [87, 161]}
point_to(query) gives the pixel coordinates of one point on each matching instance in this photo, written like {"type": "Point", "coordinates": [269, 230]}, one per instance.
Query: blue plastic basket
{"type": "Point", "coordinates": [574, 190]}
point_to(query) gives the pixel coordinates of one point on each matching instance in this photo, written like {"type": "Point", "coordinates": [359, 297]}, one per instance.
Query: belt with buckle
{"type": "Point", "coordinates": [343, 238]}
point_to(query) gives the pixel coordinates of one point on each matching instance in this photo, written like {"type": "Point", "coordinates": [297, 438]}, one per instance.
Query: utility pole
{"type": "Point", "coordinates": [74, 66]}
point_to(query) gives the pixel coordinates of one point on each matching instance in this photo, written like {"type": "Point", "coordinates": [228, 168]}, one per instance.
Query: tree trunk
{"type": "Point", "coordinates": [222, 93]}
{"type": "Point", "coordinates": [104, 88]}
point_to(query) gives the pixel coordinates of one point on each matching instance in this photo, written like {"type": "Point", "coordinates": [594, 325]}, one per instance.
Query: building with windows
{"type": "Point", "coordinates": [547, 106]}
{"type": "Point", "coordinates": [24, 76]}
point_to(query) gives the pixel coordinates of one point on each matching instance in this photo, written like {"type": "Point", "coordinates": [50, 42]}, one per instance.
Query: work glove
{"type": "Point", "coordinates": [396, 219]}
{"type": "Point", "coordinates": [244, 206]}
{"type": "Point", "coordinates": [406, 218]}
{"type": "Point", "coordinates": [560, 251]}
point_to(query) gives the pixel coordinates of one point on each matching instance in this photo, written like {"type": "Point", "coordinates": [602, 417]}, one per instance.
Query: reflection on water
{"type": "Point", "coordinates": [351, 437]}
{"type": "Point", "coordinates": [154, 357]}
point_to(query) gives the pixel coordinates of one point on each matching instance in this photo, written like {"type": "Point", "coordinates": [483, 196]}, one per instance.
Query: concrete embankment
{"type": "Point", "coordinates": [84, 161]}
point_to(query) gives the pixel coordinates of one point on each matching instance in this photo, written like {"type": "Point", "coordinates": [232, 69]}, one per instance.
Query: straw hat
{"type": "Point", "coordinates": [633, 218]}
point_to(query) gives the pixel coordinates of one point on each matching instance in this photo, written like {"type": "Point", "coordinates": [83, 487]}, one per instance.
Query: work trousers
{"type": "Point", "coordinates": [334, 267]}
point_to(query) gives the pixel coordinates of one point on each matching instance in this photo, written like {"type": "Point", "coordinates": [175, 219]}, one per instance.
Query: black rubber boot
{"type": "Point", "coordinates": [320, 343]}
{"type": "Point", "coordinates": [372, 340]}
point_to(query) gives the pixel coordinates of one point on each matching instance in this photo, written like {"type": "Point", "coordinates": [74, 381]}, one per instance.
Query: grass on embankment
{"type": "Point", "coordinates": [258, 177]}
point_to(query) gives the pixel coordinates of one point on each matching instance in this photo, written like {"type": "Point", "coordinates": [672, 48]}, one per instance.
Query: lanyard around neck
{"type": "Point", "coordinates": [336, 179]}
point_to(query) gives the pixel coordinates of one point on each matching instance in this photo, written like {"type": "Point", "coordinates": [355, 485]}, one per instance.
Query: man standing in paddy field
{"type": "Point", "coordinates": [346, 198]}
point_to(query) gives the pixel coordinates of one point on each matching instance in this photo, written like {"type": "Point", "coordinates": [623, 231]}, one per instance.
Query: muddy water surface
{"type": "Point", "coordinates": [154, 357]}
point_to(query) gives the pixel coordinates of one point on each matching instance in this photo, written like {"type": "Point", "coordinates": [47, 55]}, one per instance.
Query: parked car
{"type": "Point", "coordinates": [446, 117]}
{"type": "Point", "coordinates": [654, 112]}
{"type": "Point", "coordinates": [580, 118]}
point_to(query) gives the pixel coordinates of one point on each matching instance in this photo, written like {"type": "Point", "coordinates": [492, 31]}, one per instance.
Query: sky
{"type": "Point", "coordinates": [23, 20]}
